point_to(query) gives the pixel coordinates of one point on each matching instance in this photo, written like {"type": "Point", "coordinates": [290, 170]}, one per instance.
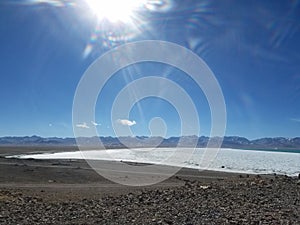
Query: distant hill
{"type": "Point", "coordinates": [143, 141]}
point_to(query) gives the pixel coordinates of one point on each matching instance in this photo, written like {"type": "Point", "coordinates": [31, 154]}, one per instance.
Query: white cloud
{"type": "Point", "coordinates": [82, 125]}
{"type": "Point", "coordinates": [295, 120]}
{"type": "Point", "coordinates": [95, 124]}
{"type": "Point", "coordinates": [126, 122]}
{"type": "Point", "coordinates": [56, 3]}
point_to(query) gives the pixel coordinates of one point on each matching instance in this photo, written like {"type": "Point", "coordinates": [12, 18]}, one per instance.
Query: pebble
{"type": "Point", "coordinates": [231, 201]}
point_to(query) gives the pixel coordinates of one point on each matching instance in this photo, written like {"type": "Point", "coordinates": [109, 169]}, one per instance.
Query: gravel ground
{"type": "Point", "coordinates": [252, 200]}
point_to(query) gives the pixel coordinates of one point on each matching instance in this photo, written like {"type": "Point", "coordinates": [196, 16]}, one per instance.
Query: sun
{"type": "Point", "coordinates": [115, 10]}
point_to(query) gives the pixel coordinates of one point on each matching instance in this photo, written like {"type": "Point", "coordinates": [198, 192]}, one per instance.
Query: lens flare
{"type": "Point", "coordinates": [115, 10]}
{"type": "Point", "coordinates": [118, 21]}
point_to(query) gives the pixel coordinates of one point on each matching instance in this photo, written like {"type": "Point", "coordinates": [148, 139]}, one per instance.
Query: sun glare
{"type": "Point", "coordinates": [115, 10]}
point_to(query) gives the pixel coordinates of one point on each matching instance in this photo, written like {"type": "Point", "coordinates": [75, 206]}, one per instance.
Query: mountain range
{"type": "Point", "coordinates": [144, 141]}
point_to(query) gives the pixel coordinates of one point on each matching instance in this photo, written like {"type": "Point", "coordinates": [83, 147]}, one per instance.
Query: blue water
{"type": "Point", "coordinates": [274, 150]}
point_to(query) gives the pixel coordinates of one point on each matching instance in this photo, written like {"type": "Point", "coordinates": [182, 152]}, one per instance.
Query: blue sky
{"type": "Point", "coordinates": [252, 47]}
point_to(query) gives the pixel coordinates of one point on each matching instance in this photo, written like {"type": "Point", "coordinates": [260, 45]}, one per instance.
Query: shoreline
{"type": "Point", "coordinates": [25, 154]}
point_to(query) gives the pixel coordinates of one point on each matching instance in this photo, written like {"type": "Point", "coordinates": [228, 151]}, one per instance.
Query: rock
{"type": "Point", "coordinates": [203, 187]}
{"type": "Point", "coordinates": [221, 202]}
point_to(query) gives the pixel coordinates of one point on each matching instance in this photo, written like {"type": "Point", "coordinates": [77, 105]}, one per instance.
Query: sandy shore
{"type": "Point", "coordinates": [70, 192]}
